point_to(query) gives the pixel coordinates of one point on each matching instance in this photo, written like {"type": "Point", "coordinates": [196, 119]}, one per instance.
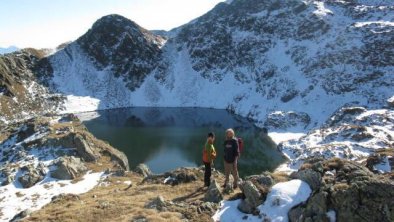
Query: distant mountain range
{"type": "Point", "coordinates": [8, 50]}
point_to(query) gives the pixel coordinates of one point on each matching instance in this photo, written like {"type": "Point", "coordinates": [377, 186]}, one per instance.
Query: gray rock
{"type": "Point", "coordinates": [120, 157]}
{"type": "Point", "coordinates": [7, 174]}
{"type": "Point", "coordinates": [313, 178]}
{"type": "Point", "coordinates": [31, 175]}
{"type": "Point", "coordinates": [209, 207]}
{"type": "Point", "coordinates": [65, 197]}
{"type": "Point", "coordinates": [252, 198]}
{"type": "Point", "coordinates": [157, 203]}
{"type": "Point", "coordinates": [8, 180]}
{"type": "Point", "coordinates": [353, 192]}
{"type": "Point", "coordinates": [317, 207]}
{"type": "Point", "coordinates": [263, 179]}
{"type": "Point", "coordinates": [213, 193]}
{"type": "Point", "coordinates": [69, 168]}
{"type": "Point", "coordinates": [139, 219]}
{"type": "Point", "coordinates": [84, 149]}
{"type": "Point", "coordinates": [143, 170]}
{"type": "Point", "coordinates": [21, 215]}
{"type": "Point", "coordinates": [296, 214]}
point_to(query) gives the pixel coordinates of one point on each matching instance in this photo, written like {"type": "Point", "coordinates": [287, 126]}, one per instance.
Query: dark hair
{"type": "Point", "coordinates": [211, 134]}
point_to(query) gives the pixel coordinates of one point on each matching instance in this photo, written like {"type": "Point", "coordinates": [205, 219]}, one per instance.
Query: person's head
{"type": "Point", "coordinates": [211, 137]}
{"type": "Point", "coordinates": [230, 133]}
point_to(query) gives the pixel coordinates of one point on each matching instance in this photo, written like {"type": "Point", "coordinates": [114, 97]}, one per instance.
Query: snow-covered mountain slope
{"type": "Point", "coordinates": [260, 59]}
{"type": "Point", "coordinates": [351, 133]}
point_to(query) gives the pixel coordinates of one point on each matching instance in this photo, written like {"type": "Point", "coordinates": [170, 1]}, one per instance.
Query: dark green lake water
{"type": "Point", "coordinates": [168, 138]}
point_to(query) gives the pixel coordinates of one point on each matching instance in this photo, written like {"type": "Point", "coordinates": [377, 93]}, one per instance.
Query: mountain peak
{"type": "Point", "coordinates": [119, 43]}
{"type": "Point", "coordinates": [117, 24]}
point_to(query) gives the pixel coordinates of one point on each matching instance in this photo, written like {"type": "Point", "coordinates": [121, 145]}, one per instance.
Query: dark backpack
{"type": "Point", "coordinates": [240, 144]}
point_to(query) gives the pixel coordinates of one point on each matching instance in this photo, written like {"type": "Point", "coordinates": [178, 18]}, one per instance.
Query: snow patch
{"type": "Point", "coordinates": [331, 215]}
{"type": "Point", "coordinates": [379, 23]}
{"type": "Point", "coordinates": [321, 10]}
{"type": "Point", "coordinates": [279, 137]}
{"type": "Point", "coordinates": [76, 104]}
{"type": "Point", "coordinates": [384, 166]}
{"type": "Point", "coordinates": [280, 200]}
{"type": "Point", "coordinates": [15, 199]}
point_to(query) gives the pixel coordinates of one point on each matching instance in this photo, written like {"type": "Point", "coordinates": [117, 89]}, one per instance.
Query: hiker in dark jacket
{"type": "Point", "coordinates": [231, 153]}
{"type": "Point", "coordinates": [209, 154]}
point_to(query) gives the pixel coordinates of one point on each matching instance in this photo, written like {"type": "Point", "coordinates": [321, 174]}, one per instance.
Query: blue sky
{"type": "Point", "coordinates": [48, 23]}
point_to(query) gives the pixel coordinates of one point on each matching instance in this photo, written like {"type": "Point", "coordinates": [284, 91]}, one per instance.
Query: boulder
{"type": "Point", "coordinates": [69, 168]}
{"type": "Point", "coordinates": [369, 199]}
{"type": "Point", "coordinates": [65, 197]}
{"type": "Point", "coordinates": [143, 170]}
{"type": "Point", "coordinates": [264, 179]}
{"type": "Point", "coordinates": [185, 177]}
{"type": "Point", "coordinates": [313, 178]}
{"type": "Point", "coordinates": [84, 150]}
{"type": "Point", "coordinates": [252, 198]}
{"type": "Point", "coordinates": [32, 175]}
{"type": "Point", "coordinates": [157, 203]}
{"type": "Point", "coordinates": [352, 191]}
{"type": "Point", "coordinates": [208, 207]}
{"type": "Point", "coordinates": [8, 175]}
{"type": "Point", "coordinates": [181, 175]}
{"type": "Point", "coordinates": [119, 157]}
{"type": "Point", "coordinates": [21, 215]}
{"type": "Point", "coordinates": [213, 193]}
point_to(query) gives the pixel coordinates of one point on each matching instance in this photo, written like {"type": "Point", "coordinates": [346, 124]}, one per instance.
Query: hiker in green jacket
{"type": "Point", "coordinates": [208, 156]}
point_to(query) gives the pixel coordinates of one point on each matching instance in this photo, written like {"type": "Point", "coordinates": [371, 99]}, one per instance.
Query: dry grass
{"type": "Point", "coordinates": [385, 152]}
{"type": "Point", "coordinates": [119, 202]}
{"type": "Point", "coordinates": [340, 186]}
{"type": "Point", "coordinates": [306, 166]}
{"type": "Point", "coordinates": [280, 177]}
{"type": "Point", "coordinates": [334, 163]}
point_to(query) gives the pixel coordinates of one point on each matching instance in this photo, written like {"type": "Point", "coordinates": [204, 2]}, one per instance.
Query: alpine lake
{"type": "Point", "coordinates": [168, 138]}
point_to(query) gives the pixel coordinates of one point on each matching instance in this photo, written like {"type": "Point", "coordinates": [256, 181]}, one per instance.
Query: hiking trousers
{"type": "Point", "coordinates": [231, 168]}
{"type": "Point", "coordinates": [207, 174]}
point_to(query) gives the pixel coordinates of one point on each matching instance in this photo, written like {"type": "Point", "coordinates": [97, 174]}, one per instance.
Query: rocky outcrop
{"type": "Point", "coordinates": [31, 175]}
{"type": "Point", "coordinates": [252, 198]}
{"type": "Point", "coordinates": [157, 203]}
{"type": "Point", "coordinates": [143, 170]}
{"type": "Point", "coordinates": [21, 215]}
{"type": "Point", "coordinates": [311, 177]}
{"type": "Point", "coordinates": [265, 179]}
{"type": "Point", "coordinates": [286, 120]}
{"type": "Point", "coordinates": [84, 150]}
{"type": "Point", "coordinates": [69, 168]}
{"type": "Point", "coordinates": [213, 193]}
{"type": "Point", "coordinates": [87, 146]}
{"type": "Point", "coordinates": [349, 189]}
